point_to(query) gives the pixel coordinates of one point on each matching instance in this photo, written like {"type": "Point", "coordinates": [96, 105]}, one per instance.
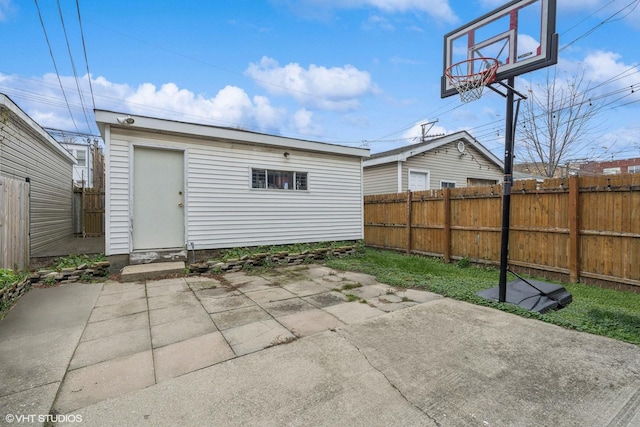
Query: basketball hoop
{"type": "Point", "coordinates": [469, 77]}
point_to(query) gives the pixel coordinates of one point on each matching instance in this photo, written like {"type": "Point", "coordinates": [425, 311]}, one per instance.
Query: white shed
{"type": "Point", "coordinates": [456, 160]}
{"type": "Point", "coordinates": [174, 186]}
{"type": "Point", "coordinates": [28, 152]}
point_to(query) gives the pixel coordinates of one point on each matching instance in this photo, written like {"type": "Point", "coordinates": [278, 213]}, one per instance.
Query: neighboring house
{"type": "Point", "coordinates": [455, 160]}
{"type": "Point", "coordinates": [84, 171]}
{"type": "Point", "coordinates": [612, 167]}
{"type": "Point", "coordinates": [28, 152]}
{"type": "Point", "coordinates": [172, 186]}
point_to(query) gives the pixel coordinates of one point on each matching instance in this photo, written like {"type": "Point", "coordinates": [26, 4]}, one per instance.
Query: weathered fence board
{"type": "Point", "coordinates": [14, 224]}
{"type": "Point", "coordinates": [92, 209]}
{"type": "Point", "coordinates": [581, 227]}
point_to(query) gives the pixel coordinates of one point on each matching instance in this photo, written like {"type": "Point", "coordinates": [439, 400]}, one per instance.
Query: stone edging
{"type": "Point", "coordinates": [262, 259]}
{"type": "Point", "coordinates": [10, 294]}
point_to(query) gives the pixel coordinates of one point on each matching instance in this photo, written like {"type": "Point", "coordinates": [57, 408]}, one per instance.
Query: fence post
{"type": "Point", "coordinates": [446, 193]}
{"type": "Point", "coordinates": [574, 229]}
{"type": "Point", "coordinates": [409, 198]}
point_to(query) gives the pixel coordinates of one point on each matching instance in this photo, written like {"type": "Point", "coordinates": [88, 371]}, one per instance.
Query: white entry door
{"type": "Point", "coordinates": [158, 198]}
{"type": "Point", "coordinates": [418, 180]}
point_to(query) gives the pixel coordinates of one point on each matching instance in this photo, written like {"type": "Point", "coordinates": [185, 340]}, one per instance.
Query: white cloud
{"type": "Point", "coordinates": [302, 121]}
{"type": "Point", "coordinates": [231, 106]}
{"type": "Point", "coordinates": [335, 88]}
{"type": "Point", "coordinates": [602, 66]}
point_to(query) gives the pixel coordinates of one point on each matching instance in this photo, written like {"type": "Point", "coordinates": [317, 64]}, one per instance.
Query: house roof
{"type": "Point", "coordinates": [7, 103]}
{"type": "Point", "coordinates": [119, 120]}
{"type": "Point", "coordinates": [403, 153]}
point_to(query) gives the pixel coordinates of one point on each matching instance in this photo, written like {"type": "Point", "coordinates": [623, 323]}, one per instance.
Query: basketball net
{"type": "Point", "coordinates": [471, 76]}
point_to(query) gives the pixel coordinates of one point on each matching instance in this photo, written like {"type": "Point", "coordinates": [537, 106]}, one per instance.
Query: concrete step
{"type": "Point", "coordinates": [134, 273]}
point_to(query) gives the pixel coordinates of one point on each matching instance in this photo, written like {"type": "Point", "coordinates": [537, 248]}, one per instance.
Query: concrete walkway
{"type": "Point", "coordinates": [289, 348]}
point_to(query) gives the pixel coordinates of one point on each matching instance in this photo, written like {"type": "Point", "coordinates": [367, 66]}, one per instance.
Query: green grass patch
{"type": "Point", "coordinates": [74, 261]}
{"type": "Point", "coordinates": [615, 314]}
{"type": "Point", "coordinates": [9, 277]}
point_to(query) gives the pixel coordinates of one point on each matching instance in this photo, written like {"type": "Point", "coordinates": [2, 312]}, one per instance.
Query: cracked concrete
{"type": "Point", "coordinates": [439, 362]}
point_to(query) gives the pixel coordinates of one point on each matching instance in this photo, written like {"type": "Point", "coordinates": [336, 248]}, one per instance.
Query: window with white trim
{"type": "Point", "coordinates": [81, 157]}
{"type": "Point", "coordinates": [279, 180]}
{"type": "Point", "coordinates": [634, 169]}
{"type": "Point", "coordinates": [447, 184]}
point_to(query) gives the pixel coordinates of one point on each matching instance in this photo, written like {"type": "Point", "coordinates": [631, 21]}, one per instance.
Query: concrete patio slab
{"type": "Point", "coordinates": [155, 291]}
{"type": "Point", "coordinates": [269, 295]}
{"type": "Point", "coordinates": [123, 309]}
{"type": "Point", "coordinates": [255, 283]}
{"type": "Point", "coordinates": [326, 299]}
{"type": "Point", "coordinates": [372, 291]}
{"type": "Point", "coordinates": [183, 329]}
{"type": "Point", "coordinates": [388, 307]}
{"type": "Point", "coordinates": [202, 351]}
{"type": "Point", "coordinates": [309, 322]}
{"type": "Point", "coordinates": [120, 297]}
{"type": "Point", "coordinates": [199, 285]}
{"type": "Point", "coordinates": [106, 328]}
{"type": "Point", "coordinates": [110, 287]}
{"type": "Point", "coordinates": [362, 278]}
{"type": "Point", "coordinates": [216, 292]}
{"type": "Point", "coordinates": [256, 336]}
{"type": "Point", "coordinates": [36, 400]}
{"type": "Point", "coordinates": [173, 313]}
{"type": "Point", "coordinates": [216, 305]}
{"type": "Point", "coordinates": [304, 288]}
{"type": "Point", "coordinates": [238, 317]}
{"type": "Point", "coordinates": [39, 335]}
{"type": "Point", "coordinates": [237, 278]}
{"type": "Point", "coordinates": [286, 307]}
{"type": "Point", "coordinates": [353, 312]}
{"type": "Point", "coordinates": [168, 300]}
{"type": "Point", "coordinates": [418, 296]}
{"type": "Point", "coordinates": [319, 380]}
{"type": "Point", "coordinates": [110, 347]}
{"type": "Point", "coordinates": [94, 383]}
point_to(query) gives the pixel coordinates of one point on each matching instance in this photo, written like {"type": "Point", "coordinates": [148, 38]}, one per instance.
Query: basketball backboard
{"type": "Point", "coordinates": [520, 35]}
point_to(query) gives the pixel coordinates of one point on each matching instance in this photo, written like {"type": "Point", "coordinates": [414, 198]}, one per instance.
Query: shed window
{"type": "Point", "coordinates": [447, 184]}
{"type": "Point", "coordinates": [278, 180]}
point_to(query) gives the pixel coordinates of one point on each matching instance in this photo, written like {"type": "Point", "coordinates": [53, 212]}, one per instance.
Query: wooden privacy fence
{"type": "Point", "coordinates": [14, 224]}
{"type": "Point", "coordinates": [89, 212]}
{"type": "Point", "coordinates": [586, 228]}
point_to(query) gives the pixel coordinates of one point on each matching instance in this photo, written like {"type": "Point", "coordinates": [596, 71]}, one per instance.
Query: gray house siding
{"type": "Point", "coordinates": [446, 164]}
{"type": "Point", "coordinates": [455, 160]}
{"type": "Point", "coordinates": [27, 151]}
{"type": "Point", "coordinates": [381, 179]}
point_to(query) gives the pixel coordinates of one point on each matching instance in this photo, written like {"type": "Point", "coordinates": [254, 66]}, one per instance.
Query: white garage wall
{"type": "Point", "coordinates": [222, 210]}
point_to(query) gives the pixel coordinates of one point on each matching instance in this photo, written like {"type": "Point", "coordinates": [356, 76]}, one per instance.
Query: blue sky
{"type": "Point", "coordinates": [343, 71]}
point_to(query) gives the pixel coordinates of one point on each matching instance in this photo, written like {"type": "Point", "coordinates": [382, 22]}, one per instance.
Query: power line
{"type": "Point", "coordinates": [55, 66]}
{"type": "Point", "coordinates": [73, 66]}
{"type": "Point", "coordinates": [84, 50]}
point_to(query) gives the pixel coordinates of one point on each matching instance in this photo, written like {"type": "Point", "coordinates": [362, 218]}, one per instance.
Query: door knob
{"type": "Point", "coordinates": [180, 204]}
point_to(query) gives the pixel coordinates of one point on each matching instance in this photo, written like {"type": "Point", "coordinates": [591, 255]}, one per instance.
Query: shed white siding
{"type": "Point", "coordinates": [381, 179]}
{"type": "Point", "coordinates": [27, 151]}
{"type": "Point", "coordinates": [446, 164]}
{"type": "Point", "coordinates": [221, 208]}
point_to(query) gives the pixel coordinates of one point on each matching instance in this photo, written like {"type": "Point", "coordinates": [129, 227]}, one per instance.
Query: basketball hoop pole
{"type": "Point", "coordinates": [506, 190]}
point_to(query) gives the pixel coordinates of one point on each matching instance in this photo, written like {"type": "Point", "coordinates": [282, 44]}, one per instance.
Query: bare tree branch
{"type": "Point", "coordinates": [557, 123]}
